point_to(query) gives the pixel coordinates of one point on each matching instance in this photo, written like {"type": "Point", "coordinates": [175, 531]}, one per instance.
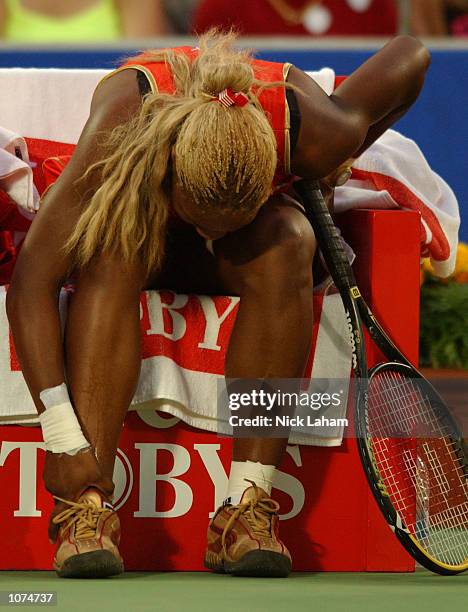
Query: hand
{"type": "Point", "coordinates": [337, 178]}
{"type": "Point", "coordinates": [68, 476]}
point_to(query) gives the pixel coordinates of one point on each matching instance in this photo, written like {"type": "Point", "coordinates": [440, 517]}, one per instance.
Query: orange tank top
{"type": "Point", "coordinates": [273, 100]}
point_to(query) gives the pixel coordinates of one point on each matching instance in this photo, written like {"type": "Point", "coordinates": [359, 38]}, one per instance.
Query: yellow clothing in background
{"type": "Point", "coordinates": [97, 23]}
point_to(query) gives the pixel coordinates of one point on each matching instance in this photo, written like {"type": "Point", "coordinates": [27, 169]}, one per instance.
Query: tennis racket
{"type": "Point", "coordinates": [413, 453]}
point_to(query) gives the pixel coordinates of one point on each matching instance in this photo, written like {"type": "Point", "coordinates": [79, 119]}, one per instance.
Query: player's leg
{"type": "Point", "coordinates": [269, 264]}
{"type": "Point", "coordinates": [102, 350]}
{"type": "Point", "coordinates": [103, 361]}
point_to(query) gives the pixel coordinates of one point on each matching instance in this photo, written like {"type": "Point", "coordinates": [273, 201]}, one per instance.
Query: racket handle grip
{"type": "Point", "coordinates": [327, 235]}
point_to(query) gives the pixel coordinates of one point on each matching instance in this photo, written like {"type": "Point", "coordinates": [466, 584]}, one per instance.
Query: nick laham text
{"type": "Point", "coordinates": [286, 421]}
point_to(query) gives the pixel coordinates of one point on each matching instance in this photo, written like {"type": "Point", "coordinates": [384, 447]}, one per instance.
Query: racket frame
{"type": "Point", "coordinates": [358, 312]}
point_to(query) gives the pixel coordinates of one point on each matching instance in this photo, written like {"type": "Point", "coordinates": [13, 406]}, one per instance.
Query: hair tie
{"type": "Point", "coordinates": [228, 98]}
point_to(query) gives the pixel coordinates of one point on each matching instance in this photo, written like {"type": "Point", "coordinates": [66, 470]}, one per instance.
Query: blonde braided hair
{"type": "Point", "coordinates": [224, 159]}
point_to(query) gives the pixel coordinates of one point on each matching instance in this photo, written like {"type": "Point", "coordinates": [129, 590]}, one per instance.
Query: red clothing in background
{"type": "Point", "coordinates": [253, 17]}
{"type": "Point", "coordinates": [11, 220]}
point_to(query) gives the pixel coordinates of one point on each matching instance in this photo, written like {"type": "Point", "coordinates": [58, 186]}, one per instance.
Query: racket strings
{"type": "Point", "coordinates": [399, 407]}
{"type": "Point", "coordinates": [412, 503]}
{"type": "Point", "coordinates": [421, 465]}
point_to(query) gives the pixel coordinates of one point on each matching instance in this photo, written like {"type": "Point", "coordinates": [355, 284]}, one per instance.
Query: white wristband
{"type": "Point", "coordinates": [61, 430]}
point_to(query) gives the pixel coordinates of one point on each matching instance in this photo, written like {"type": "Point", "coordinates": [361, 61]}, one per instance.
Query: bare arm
{"type": "Point", "coordinates": [32, 300]}
{"type": "Point", "coordinates": [143, 19]}
{"type": "Point", "coordinates": [337, 127]}
{"type": "Point", "coordinates": [427, 18]}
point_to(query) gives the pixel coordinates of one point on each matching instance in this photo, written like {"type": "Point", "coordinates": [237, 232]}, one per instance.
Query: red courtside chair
{"type": "Point", "coordinates": [167, 472]}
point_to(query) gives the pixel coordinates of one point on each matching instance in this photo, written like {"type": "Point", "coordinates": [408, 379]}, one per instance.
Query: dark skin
{"type": "Point", "coordinates": [254, 257]}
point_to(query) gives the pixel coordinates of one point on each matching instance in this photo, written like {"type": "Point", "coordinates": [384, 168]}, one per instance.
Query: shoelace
{"type": "Point", "coordinates": [257, 512]}
{"type": "Point", "coordinates": [84, 514]}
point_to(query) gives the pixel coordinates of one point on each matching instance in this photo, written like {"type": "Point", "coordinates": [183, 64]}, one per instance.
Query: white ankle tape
{"type": "Point", "coordinates": [60, 427]}
{"type": "Point", "coordinates": [243, 473]}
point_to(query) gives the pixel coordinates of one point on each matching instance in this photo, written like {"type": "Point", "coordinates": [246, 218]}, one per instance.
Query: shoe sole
{"type": "Point", "coordinates": [94, 564]}
{"type": "Point", "coordinates": [256, 563]}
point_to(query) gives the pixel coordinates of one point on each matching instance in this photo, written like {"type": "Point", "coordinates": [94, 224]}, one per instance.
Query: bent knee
{"type": "Point", "coordinates": [28, 285]}
{"type": "Point", "coordinates": [289, 229]}
{"type": "Point", "coordinates": [283, 230]}
{"type": "Point", "coordinates": [277, 248]}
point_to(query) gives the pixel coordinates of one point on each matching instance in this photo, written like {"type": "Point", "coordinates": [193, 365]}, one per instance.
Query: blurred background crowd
{"type": "Point", "coordinates": [54, 21]}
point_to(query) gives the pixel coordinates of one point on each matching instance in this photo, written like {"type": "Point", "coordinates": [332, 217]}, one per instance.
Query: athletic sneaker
{"type": "Point", "coordinates": [88, 537]}
{"type": "Point", "coordinates": [243, 540]}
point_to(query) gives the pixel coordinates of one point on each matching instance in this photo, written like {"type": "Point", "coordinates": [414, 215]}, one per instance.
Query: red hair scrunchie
{"type": "Point", "coordinates": [228, 98]}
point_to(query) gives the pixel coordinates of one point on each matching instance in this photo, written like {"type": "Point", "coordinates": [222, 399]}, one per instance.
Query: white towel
{"type": "Point", "coordinates": [325, 78]}
{"type": "Point", "coordinates": [52, 103]}
{"type": "Point", "coordinates": [15, 171]}
{"type": "Point", "coordinates": [180, 369]}
{"type": "Point", "coordinates": [393, 173]}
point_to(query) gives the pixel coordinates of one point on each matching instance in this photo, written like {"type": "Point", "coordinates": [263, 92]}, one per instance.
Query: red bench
{"type": "Point", "coordinates": [168, 474]}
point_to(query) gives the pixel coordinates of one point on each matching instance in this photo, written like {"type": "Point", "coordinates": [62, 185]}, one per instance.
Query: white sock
{"type": "Point", "coordinates": [243, 471]}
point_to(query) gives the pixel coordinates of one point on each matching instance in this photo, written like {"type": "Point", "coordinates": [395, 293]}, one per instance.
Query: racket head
{"type": "Point", "coordinates": [415, 459]}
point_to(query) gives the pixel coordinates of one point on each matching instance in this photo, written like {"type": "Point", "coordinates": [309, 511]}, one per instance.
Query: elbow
{"type": "Point", "coordinates": [421, 63]}
{"type": "Point", "coordinates": [422, 57]}
{"type": "Point", "coordinates": [23, 295]}
{"type": "Point", "coordinates": [418, 55]}
{"type": "Point", "coordinates": [16, 297]}
{"type": "Point", "coordinates": [13, 304]}
{"type": "Point", "coordinates": [413, 48]}
{"type": "Point", "coordinates": [415, 60]}
{"type": "Point", "coordinates": [32, 288]}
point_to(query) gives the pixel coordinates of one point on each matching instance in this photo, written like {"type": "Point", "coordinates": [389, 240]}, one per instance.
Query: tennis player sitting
{"type": "Point", "coordinates": [178, 181]}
